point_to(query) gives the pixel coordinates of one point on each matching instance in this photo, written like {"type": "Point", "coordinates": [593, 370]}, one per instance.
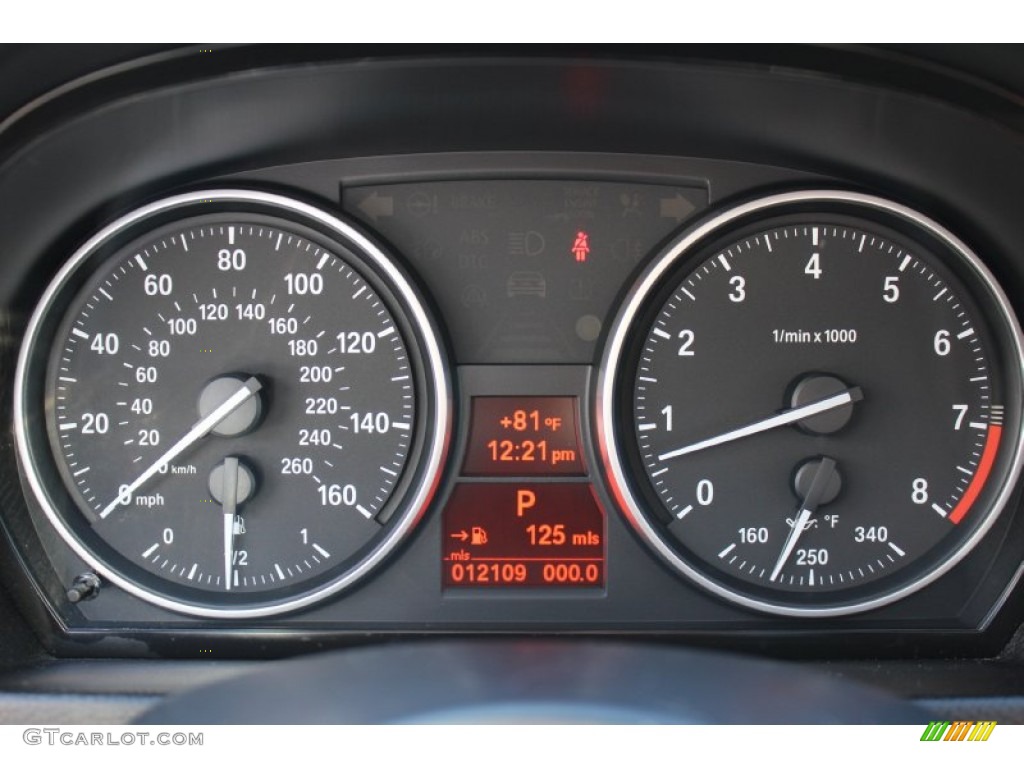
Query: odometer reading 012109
{"type": "Point", "coordinates": [231, 401]}
{"type": "Point", "coordinates": [821, 416]}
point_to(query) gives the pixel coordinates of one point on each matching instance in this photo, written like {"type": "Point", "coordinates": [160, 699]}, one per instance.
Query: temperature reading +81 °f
{"type": "Point", "coordinates": [523, 436]}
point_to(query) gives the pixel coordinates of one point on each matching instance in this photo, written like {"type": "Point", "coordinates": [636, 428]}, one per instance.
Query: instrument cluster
{"type": "Point", "coordinates": [541, 390]}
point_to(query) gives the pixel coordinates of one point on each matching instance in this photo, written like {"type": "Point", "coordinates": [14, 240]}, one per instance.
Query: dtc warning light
{"type": "Point", "coordinates": [581, 246]}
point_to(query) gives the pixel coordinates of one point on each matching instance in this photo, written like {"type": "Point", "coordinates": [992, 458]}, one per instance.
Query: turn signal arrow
{"type": "Point", "coordinates": [376, 206]}
{"type": "Point", "coordinates": [677, 207]}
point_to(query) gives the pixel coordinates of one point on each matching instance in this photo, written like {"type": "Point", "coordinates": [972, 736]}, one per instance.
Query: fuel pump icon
{"type": "Point", "coordinates": [478, 535]}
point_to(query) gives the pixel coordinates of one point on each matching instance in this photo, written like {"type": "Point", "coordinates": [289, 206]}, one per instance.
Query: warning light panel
{"type": "Point", "coordinates": [523, 535]}
{"type": "Point", "coordinates": [523, 437]}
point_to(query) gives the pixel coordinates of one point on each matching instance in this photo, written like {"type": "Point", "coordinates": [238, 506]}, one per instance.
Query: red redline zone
{"type": "Point", "coordinates": [988, 458]}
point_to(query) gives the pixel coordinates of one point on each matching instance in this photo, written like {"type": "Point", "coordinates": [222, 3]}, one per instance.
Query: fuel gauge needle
{"type": "Point", "coordinates": [199, 430]}
{"type": "Point", "coordinates": [819, 484]}
{"type": "Point", "coordinates": [229, 497]}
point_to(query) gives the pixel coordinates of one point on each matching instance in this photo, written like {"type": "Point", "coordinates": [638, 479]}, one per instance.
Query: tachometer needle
{"type": "Point", "coordinates": [819, 484]}
{"type": "Point", "coordinates": [199, 430]}
{"type": "Point", "coordinates": [790, 416]}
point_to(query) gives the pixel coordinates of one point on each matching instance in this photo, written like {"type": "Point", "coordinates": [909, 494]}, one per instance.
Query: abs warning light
{"type": "Point", "coordinates": [523, 437]}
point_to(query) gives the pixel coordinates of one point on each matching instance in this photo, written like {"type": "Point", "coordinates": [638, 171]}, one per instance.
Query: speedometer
{"type": "Point", "coordinates": [232, 404]}
{"type": "Point", "coordinates": [805, 408]}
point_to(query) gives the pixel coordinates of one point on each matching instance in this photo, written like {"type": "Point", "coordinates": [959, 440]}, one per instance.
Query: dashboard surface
{"type": "Point", "coordinates": [508, 209]}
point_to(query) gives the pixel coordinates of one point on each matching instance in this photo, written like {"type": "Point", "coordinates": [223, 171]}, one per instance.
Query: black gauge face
{"type": "Point", "coordinates": [237, 405]}
{"type": "Point", "coordinates": [821, 418]}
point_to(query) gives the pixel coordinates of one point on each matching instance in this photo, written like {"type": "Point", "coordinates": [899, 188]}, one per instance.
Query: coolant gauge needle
{"type": "Point", "coordinates": [199, 430]}
{"type": "Point", "coordinates": [819, 485]}
{"type": "Point", "coordinates": [790, 416]}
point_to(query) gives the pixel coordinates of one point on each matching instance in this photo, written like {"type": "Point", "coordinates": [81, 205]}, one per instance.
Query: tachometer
{"type": "Point", "coordinates": [811, 404]}
{"type": "Point", "coordinates": [232, 404]}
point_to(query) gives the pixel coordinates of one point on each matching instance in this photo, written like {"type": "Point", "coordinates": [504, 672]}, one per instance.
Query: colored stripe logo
{"type": "Point", "coordinates": [959, 730]}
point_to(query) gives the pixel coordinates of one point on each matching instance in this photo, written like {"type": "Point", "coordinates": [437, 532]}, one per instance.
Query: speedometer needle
{"type": "Point", "coordinates": [199, 430]}
{"type": "Point", "coordinates": [790, 416]}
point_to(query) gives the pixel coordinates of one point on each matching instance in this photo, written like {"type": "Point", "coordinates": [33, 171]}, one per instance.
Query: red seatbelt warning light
{"type": "Point", "coordinates": [581, 246]}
